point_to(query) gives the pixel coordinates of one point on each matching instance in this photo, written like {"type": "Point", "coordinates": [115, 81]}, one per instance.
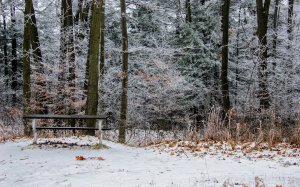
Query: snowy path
{"type": "Point", "coordinates": [22, 164]}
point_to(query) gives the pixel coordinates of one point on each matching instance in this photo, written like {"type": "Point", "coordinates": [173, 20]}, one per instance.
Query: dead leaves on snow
{"type": "Point", "coordinates": [253, 150]}
{"type": "Point", "coordinates": [81, 158]}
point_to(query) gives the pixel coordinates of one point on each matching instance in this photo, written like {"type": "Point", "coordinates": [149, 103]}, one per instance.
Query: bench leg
{"type": "Point", "coordinates": [100, 131]}
{"type": "Point", "coordinates": [34, 131]}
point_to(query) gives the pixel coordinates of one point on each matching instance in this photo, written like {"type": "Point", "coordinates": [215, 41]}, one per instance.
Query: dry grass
{"type": "Point", "coordinates": [10, 124]}
{"type": "Point", "coordinates": [296, 137]}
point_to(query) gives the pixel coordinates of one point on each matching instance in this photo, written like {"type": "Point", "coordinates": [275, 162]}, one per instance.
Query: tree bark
{"type": "Point", "coordinates": [275, 24]}
{"type": "Point", "coordinates": [289, 64]}
{"type": "Point", "coordinates": [14, 62]}
{"type": "Point", "coordinates": [93, 77]}
{"type": "Point", "coordinates": [224, 72]}
{"type": "Point", "coordinates": [237, 54]}
{"type": "Point", "coordinates": [40, 92]}
{"type": "Point", "coordinates": [26, 63]}
{"type": "Point", "coordinates": [262, 28]}
{"type": "Point", "coordinates": [102, 58]}
{"type": "Point", "coordinates": [188, 17]}
{"type": "Point", "coordinates": [124, 75]}
{"type": "Point", "coordinates": [5, 53]}
{"type": "Point", "coordinates": [70, 58]}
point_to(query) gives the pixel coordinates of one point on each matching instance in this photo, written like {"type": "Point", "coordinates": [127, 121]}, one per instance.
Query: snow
{"type": "Point", "coordinates": [47, 164]}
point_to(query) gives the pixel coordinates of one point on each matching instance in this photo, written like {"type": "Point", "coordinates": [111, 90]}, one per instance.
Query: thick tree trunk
{"type": "Point", "coordinates": [102, 58]}
{"type": "Point", "coordinates": [85, 20]}
{"type": "Point", "coordinates": [188, 10]}
{"type": "Point", "coordinates": [262, 27]}
{"type": "Point", "coordinates": [124, 75]}
{"type": "Point", "coordinates": [26, 62]}
{"type": "Point", "coordinates": [224, 72]}
{"type": "Point", "coordinates": [93, 77]}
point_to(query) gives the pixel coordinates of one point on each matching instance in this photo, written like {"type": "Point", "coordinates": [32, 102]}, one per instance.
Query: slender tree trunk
{"type": "Point", "coordinates": [178, 18]}
{"type": "Point", "coordinates": [93, 77]}
{"type": "Point", "coordinates": [67, 60]}
{"type": "Point", "coordinates": [5, 58]}
{"type": "Point", "coordinates": [262, 27]}
{"type": "Point", "coordinates": [14, 62]}
{"type": "Point", "coordinates": [62, 77]}
{"type": "Point", "coordinates": [79, 12]}
{"type": "Point", "coordinates": [275, 24]}
{"type": "Point", "coordinates": [237, 54]}
{"type": "Point", "coordinates": [188, 17]}
{"type": "Point", "coordinates": [26, 63]}
{"type": "Point", "coordinates": [40, 92]}
{"type": "Point", "coordinates": [79, 21]}
{"type": "Point", "coordinates": [86, 11]}
{"type": "Point", "coordinates": [289, 66]}
{"type": "Point", "coordinates": [70, 58]}
{"type": "Point", "coordinates": [224, 72]}
{"type": "Point", "coordinates": [124, 76]}
{"type": "Point", "coordinates": [35, 41]}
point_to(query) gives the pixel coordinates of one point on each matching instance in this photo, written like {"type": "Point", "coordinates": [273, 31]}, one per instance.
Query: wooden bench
{"type": "Point", "coordinates": [99, 119]}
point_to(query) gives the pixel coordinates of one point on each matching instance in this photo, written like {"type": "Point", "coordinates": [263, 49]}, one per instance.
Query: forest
{"type": "Point", "coordinates": [224, 69]}
{"type": "Point", "coordinates": [150, 93]}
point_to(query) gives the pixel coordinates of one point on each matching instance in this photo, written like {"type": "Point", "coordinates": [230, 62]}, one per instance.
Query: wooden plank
{"type": "Point", "coordinates": [71, 128]}
{"type": "Point", "coordinates": [49, 116]}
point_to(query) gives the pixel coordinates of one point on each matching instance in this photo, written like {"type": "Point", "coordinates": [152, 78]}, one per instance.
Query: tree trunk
{"type": "Point", "coordinates": [275, 24]}
{"type": "Point", "coordinates": [93, 77]}
{"type": "Point", "coordinates": [14, 62]}
{"type": "Point", "coordinates": [237, 54]}
{"type": "Point", "coordinates": [262, 28]}
{"type": "Point", "coordinates": [40, 92]}
{"type": "Point", "coordinates": [5, 57]}
{"type": "Point", "coordinates": [26, 62]}
{"type": "Point", "coordinates": [85, 19]}
{"type": "Point", "coordinates": [70, 58]}
{"type": "Point", "coordinates": [224, 72]}
{"type": "Point", "coordinates": [102, 58]}
{"type": "Point", "coordinates": [188, 17]}
{"type": "Point", "coordinates": [289, 64]}
{"type": "Point", "coordinates": [35, 41]}
{"type": "Point", "coordinates": [124, 74]}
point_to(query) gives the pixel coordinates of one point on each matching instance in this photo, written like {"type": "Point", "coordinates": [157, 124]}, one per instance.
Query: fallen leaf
{"type": "Point", "coordinates": [100, 158]}
{"type": "Point", "coordinates": [80, 158]}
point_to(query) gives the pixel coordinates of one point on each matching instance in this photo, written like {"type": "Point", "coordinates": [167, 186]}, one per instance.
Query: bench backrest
{"type": "Point", "coordinates": [49, 116]}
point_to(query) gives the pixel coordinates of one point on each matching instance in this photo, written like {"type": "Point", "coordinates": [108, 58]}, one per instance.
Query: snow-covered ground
{"type": "Point", "coordinates": [55, 164]}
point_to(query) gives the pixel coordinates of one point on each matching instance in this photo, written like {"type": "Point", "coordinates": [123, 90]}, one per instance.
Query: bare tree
{"type": "Point", "coordinates": [262, 9]}
{"type": "Point", "coordinates": [26, 62]}
{"type": "Point", "coordinates": [124, 75]}
{"type": "Point", "coordinates": [224, 72]}
{"type": "Point", "coordinates": [14, 62]}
